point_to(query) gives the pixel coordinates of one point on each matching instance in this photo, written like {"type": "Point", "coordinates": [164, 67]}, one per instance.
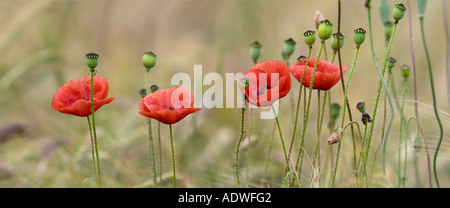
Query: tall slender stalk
{"type": "Point", "coordinates": [173, 157]}
{"type": "Point", "coordinates": [281, 137]}
{"type": "Point", "coordinates": [99, 173]}
{"type": "Point", "coordinates": [447, 48]}
{"type": "Point", "coordinates": [400, 179]}
{"type": "Point", "coordinates": [92, 149]}
{"type": "Point", "coordinates": [436, 112]}
{"type": "Point", "coordinates": [150, 134]}
{"type": "Point", "coordinates": [406, 152]}
{"type": "Point", "coordinates": [415, 95]}
{"type": "Point", "coordinates": [241, 137]}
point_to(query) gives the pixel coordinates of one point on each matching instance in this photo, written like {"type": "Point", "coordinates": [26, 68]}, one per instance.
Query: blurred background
{"type": "Point", "coordinates": [43, 45]}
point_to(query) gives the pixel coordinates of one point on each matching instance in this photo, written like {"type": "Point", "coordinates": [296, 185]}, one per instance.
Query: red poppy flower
{"type": "Point", "coordinates": [326, 76]}
{"type": "Point", "coordinates": [269, 81]}
{"type": "Point", "coordinates": [74, 97]}
{"type": "Point", "coordinates": [168, 105]}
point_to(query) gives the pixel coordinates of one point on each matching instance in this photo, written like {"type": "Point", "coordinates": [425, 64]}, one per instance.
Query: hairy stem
{"type": "Point", "coordinates": [99, 173]}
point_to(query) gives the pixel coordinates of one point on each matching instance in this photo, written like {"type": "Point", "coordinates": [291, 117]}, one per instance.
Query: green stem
{"type": "Point", "coordinates": [241, 137]}
{"type": "Point", "coordinates": [92, 148]}
{"type": "Point", "coordinates": [99, 173]}
{"type": "Point", "coordinates": [400, 179]}
{"type": "Point", "coordinates": [160, 151]}
{"type": "Point", "coordinates": [173, 157]}
{"type": "Point", "coordinates": [150, 136]}
{"type": "Point", "coordinates": [281, 137]}
{"type": "Point", "coordinates": [436, 112]}
{"type": "Point", "coordinates": [319, 126]}
{"type": "Point", "coordinates": [287, 176]}
{"type": "Point", "coordinates": [305, 124]}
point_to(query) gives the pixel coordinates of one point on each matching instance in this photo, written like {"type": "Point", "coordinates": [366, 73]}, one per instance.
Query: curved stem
{"type": "Point", "coordinates": [241, 137]}
{"type": "Point", "coordinates": [99, 173]}
{"type": "Point", "coordinates": [436, 112]}
{"type": "Point", "coordinates": [173, 157]}
{"type": "Point", "coordinates": [287, 176]}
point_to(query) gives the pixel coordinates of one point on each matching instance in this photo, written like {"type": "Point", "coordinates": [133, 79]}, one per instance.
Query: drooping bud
{"type": "Point", "coordinates": [405, 69]}
{"type": "Point", "coordinates": [388, 30]}
{"type": "Point", "coordinates": [289, 47]}
{"type": "Point", "coordinates": [301, 58]}
{"type": "Point", "coordinates": [310, 37]}
{"type": "Point", "coordinates": [366, 118]}
{"type": "Point", "coordinates": [149, 60]}
{"type": "Point", "coordinates": [391, 63]}
{"type": "Point", "coordinates": [335, 111]}
{"type": "Point", "coordinates": [360, 36]}
{"type": "Point", "coordinates": [245, 82]}
{"type": "Point", "coordinates": [418, 143]}
{"type": "Point", "coordinates": [154, 88]}
{"type": "Point", "coordinates": [325, 30]}
{"type": "Point", "coordinates": [421, 5]}
{"type": "Point", "coordinates": [318, 17]}
{"type": "Point", "coordinates": [92, 60]}
{"type": "Point", "coordinates": [143, 92]}
{"type": "Point", "coordinates": [334, 41]}
{"type": "Point", "coordinates": [385, 10]}
{"type": "Point", "coordinates": [336, 136]}
{"type": "Point", "coordinates": [398, 12]}
{"type": "Point", "coordinates": [255, 50]}
{"type": "Point", "coordinates": [361, 106]}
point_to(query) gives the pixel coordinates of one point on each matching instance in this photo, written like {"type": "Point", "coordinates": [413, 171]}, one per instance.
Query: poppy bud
{"type": "Point", "coordinates": [255, 50]}
{"type": "Point", "coordinates": [361, 106]}
{"type": "Point", "coordinates": [301, 58]}
{"type": "Point", "coordinates": [334, 41]}
{"type": "Point", "coordinates": [398, 12]}
{"type": "Point", "coordinates": [310, 37]}
{"type": "Point", "coordinates": [405, 71]}
{"type": "Point", "coordinates": [336, 136]}
{"type": "Point", "coordinates": [92, 60]}
{"type": "Point", "coordinates": [391, 62]}
{"type": "Point", "coordinates": [366, 118]}
{"type": "Point", "coordinates": [388, 29]}
{"type": "Point", "coordinates": [325, 30]}
{"type": "Point", "coordinates": [149, 60]}
{"type": "Point", "coordinates": [245, 82]}
{"type": "Point", "coordinates": [143, 92]}
{"type": "Point", "coordinates": [360, 36]}
{"type": "Point", "coordinates": [421, 5]}
{"type": "Point", "coordinates": [289, 46]}
{"type": "Point", "coordinates": [335, 111]}
{"type": "Point", "coordinates": [154, 88]}
{"type": "Point", "coordinates": [384, 9]}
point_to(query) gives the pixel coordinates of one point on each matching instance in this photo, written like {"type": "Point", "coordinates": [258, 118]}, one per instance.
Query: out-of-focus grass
{"type": "Point", "coordinates": [54, 151]}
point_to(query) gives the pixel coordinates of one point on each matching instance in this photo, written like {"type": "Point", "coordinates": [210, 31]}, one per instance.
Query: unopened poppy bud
{"type": "Point", "coordinates": [421, 5]}
{"type": "Point", "coordinates": [154, 88]}
{"type": "Point", "coordinates": [255, 50]}
{"type": "Point", "coordinates": [289, 46]}
{"type": "Point", "coordinates": [143, 92]}
{"type": "Point", "coordinates": [325, 30]}
{"type": "Point", "coordinates": [361, 106]}
{"type": "Point", "coordinates": [384, 9]}
{"type": "Point", "coordinates": [336, 136]}
{"type": "Point", "coordinates": [405, 71]}
{"type": "Point", "coordinates": [360, 36]}
{"type": "Point", "coordinates": [245, 82]}
{"type": "Point", "coordinates": [92, 60]}
{"type": "Point", "coordinates": [310, 37]}
{"type": "Point", "coordinates": [391, 62]}
{"type": "Point", "coordinates": [388, 30]}
{"type": "Point", "coordinates": [301, 58]}
{"type": "Point", "coordinates": [398, 12]}
{"type": "Point", "coordinates": [334, 41]}
{"type": "Point", "coordinates": [149, 60]}
{"type": "Point", "coordinates": [366, 118]}
{"type": "Point", "coordinates": [335, 111]}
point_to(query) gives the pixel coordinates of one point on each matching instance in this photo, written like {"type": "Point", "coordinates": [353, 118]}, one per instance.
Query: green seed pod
{"type": "Point", "coordinates": [360, 36]}
{"type": "Point", "coordinates": [245, 82]}
{"type": "Point", "coordinates": [325, 30]}
{"type": "Point", "coordinates": [149, 60]}
{"type": "Point", "coordinates": [334, 41]}
{"type": "Point", "coordinates": [391, 63]}
{"type": "Point", "coordinates": [384, 9]}
{"type": "Point", "coordinates": [289, 46]}
{"type": "Point", "coordinates": [154, 88]}
{"type": "Point", "coordinates": [361, 106]}
{"type": "Point", "coordinates": [366, 118]}
{"type": "Point", "coordinates": [421, 5]}
{"type": "Point", "coordinates": [92, 60]}
{"type": "Point", "coordinates": [335, 111]}
{"type": "Point", "coordinates": [310, 37]}
{"type": "Point", "coordinates": [142, 92]}
{"type": "Point", "coordinates": [301, 58]}
{"type": "Point", "coordinates": [388, 30]}
{"type": "Point", "coordinates": [405, 69]}
{"type": "Point", "coordinates": [255, 50]}
{"type": "Point", "coordinates": [398, 12]}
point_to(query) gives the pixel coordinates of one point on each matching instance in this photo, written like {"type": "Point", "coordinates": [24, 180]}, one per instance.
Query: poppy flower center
{"type": "Point", "coordinates": [171, 108]}
{"type": "Point", "coordinates": [263, 89]}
